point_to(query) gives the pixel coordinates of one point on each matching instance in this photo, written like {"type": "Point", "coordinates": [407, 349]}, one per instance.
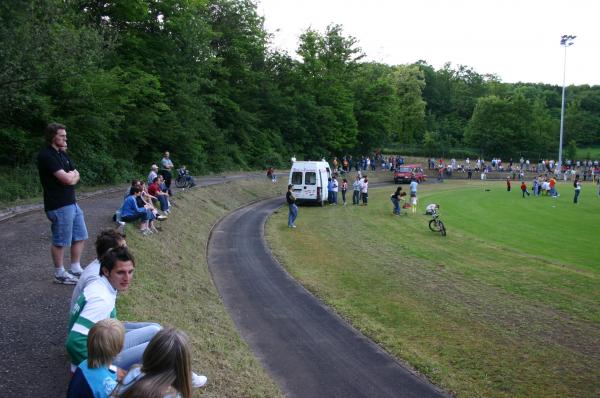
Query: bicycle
{"type": "Point", "coordinates": [437, 225]}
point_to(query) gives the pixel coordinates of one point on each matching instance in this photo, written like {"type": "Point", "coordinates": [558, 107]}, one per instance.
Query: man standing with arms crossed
{"type": "Point", "coordinates": [59, 177]}
{"type": "Point", "coordinates": [166, 169]}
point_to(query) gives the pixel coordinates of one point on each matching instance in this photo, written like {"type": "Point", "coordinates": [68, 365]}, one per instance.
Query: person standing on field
{"type": "Point", "coordinates": [293, 209]}
{"type": "Point", "coordinates": [413, 194]}
{"type": "Point", "coordinates": [577, 186]}
{"type": "Point", "coordinates": [59, 176]}
{"type": "Point", "coordinates": [395, 198]}
{"type": "Point", "coordinates": [364, 190]}
{"type": "Point", "coordinates": [344, 189]}
{"type": "Point", "coordinates": [356, 191]}
{"type": "Point", "coordinates": [524, 190]}
{"type": "Point", "coordinates": [334, 189]}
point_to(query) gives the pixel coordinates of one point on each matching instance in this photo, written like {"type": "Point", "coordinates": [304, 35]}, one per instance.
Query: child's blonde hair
{"type": "Point", "coordinates": [105, 341]}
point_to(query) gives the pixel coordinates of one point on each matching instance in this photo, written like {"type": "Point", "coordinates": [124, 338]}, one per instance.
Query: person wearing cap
{"type": "Point", "coordinates": [153, 174]}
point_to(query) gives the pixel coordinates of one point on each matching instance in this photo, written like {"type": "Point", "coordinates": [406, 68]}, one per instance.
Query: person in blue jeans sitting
{"type": "Point", "coordinates": [131, 212]}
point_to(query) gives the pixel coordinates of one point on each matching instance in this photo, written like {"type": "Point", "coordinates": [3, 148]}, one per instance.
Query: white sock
{"type": "Point", "coordinates": [76, 267]}
{"type": "Point", "coordinates": [59, 271]}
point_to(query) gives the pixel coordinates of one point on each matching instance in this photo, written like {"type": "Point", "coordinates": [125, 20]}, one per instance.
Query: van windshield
{"type": "Point", "coordinates": [405, 170]}
{"type": "Point", "coordinates": [310, 178]}
{"type": "Point", "coordinates": [297, 178]}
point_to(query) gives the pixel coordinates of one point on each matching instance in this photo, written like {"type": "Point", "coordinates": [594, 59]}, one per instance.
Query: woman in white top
{"type": "Point", "coordinates": [364, 190]}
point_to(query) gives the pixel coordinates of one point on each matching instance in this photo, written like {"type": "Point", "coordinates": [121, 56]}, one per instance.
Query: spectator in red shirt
{"type": "Point", "coordinates": [163, 197]}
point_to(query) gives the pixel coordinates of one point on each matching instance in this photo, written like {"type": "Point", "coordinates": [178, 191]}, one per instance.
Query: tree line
{"type": "Point", "coordinates": [131, 78]}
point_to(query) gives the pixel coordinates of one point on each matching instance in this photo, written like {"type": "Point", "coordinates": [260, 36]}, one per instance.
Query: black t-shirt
{"type": "Point", "coordinates": [289, 196]}
{"type": "Point", "coordinates": [56, 194]}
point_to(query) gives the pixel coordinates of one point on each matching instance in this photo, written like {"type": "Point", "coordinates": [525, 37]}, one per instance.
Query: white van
{"type": "Point", "coordinates": [309, 181]}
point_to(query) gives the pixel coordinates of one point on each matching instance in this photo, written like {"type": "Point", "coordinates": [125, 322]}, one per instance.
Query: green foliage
{"type": "Point", "coordinates": [133, 78]}
{"type": "Point", "coordinates": [571, 150]}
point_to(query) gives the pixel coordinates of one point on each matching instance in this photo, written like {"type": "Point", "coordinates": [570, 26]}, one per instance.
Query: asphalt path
{"type": "Point", "coordinates": [308, 350]}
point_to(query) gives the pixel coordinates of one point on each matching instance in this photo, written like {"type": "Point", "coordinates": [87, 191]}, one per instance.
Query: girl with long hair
{"type": "Point", "coordinates": [166, 371]}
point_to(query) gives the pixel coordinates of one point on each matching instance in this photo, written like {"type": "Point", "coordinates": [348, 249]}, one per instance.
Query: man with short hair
{"type": "Point", "coordinates": [59, 176]}
{"type": "Point", "coordinates": [166, 167]}
{"type": "Point", "coordinates": [98, 301]}
{"type": "Point", "coordinates": [162, 197]}
{"type": "Point", "coordinates": [108, 239]}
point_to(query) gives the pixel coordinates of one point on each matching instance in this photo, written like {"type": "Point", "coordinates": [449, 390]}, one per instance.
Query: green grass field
{"type": "Point", "coordinates": [588, 153]}
{"type": "Point", "coordinates": [508, 304]}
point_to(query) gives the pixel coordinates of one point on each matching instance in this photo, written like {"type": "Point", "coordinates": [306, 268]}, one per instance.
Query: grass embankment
{"type": "Point", "coordinates": [173, 286]}
{"type": "Point", "coordinates": [507, 305]}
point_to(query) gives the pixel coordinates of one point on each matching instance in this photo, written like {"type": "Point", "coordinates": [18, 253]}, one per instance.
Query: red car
{"type": "Point", "coordinates": [406, 172]}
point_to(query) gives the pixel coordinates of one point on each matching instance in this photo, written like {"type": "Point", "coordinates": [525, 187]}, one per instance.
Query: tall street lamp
{"type": "Point", "coordinates": [565, 41]}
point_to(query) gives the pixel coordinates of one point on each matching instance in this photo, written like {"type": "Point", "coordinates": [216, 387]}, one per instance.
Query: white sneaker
{"type": "Point", "coordinates": [198, 380]}
{"type": "Point", "coordinates": [66, 279]}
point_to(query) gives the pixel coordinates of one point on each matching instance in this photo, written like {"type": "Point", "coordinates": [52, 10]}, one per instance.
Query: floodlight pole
{"type": "Point", "coordinates": [565, 41]}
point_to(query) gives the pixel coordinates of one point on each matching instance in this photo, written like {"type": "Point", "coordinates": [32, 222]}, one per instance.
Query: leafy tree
{"type": "Point", "coordinates": [329, 61]}
{"type": "Point", "coordinates": [409, 122]}
{"type": "Point", "coordinates": [571, 150]}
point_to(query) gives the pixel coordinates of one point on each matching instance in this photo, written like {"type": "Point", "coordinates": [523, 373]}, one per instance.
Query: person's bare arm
{"type": "Point", "coordinates": [67, 178]}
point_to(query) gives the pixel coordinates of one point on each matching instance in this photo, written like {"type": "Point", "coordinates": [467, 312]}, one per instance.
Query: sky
{"type": "Point", "coordinates": [517, 40]}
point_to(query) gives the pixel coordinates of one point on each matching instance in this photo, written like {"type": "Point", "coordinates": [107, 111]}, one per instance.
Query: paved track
{"type": "Point", "coordinates": [308, 350]}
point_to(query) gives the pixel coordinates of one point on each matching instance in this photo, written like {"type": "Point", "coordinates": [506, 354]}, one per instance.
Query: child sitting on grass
{"type": "Point", "coordinates": [95, 377]}
{"type": "Point", "coordinates": [166, 370]}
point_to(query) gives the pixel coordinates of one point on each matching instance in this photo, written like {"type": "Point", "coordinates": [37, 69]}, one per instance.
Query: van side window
{"type": "Point", "coordinates": [297, 178]}
{"type": "Point", "coordinates": [310, 178]}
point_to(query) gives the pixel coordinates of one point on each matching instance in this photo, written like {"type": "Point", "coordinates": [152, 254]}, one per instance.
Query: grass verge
{"type": "Point", "coordinates": [173, 286]}
{"type": "Point", "coordinates": [506, 305]}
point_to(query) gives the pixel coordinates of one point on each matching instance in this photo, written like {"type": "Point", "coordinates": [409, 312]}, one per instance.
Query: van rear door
{"type": "Point", "coordinates": [296, 180]}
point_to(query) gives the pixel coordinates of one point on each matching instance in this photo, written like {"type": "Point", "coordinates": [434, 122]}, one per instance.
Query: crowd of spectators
{"type": "Point", "coordinates": [588, 170]}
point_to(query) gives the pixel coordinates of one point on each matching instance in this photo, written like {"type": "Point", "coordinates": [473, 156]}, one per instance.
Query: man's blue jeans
{"type": "Point", "coordinates": [396, 203]}
{"type": "Point", "coordinates": [164, 202]}
{"type": "Point", "coordinates": [137, 337]}
{"type": "Point", "coordinates": [292, 214]}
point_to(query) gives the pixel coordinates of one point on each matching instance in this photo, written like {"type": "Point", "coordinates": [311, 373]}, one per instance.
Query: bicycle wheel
{"type": "Point", "coordinates": [433, 225]}
{"type": "Point", "coordinates": [442, 228]}
{"type": "Point", "coordinates": [181, 183]}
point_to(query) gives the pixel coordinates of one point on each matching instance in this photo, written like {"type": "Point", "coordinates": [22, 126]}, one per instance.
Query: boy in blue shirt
{"type": "Point", "coordinates": [95, 377]}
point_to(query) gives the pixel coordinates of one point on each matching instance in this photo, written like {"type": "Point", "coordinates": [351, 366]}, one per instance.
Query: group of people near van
{"type": "Point", "coordinates": [360, 190]}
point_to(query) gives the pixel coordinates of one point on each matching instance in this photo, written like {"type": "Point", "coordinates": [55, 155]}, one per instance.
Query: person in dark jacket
{"type": "Point", "coordinates": [293, 209]}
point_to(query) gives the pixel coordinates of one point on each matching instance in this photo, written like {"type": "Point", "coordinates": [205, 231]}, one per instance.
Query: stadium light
{"type": "Point", "coordinates": [565, 41]}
